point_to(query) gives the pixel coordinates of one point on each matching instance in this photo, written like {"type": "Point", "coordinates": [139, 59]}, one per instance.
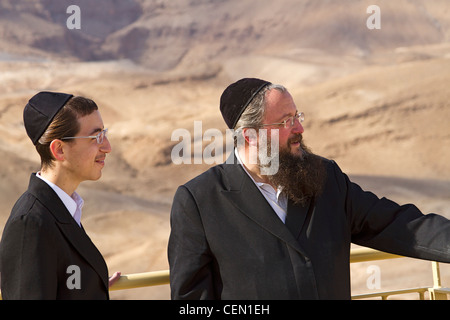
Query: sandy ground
{"type": "Point", "coordinates": [384, 121]}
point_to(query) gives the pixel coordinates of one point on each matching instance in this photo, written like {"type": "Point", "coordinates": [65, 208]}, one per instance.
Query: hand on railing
{"type": "Point", "coordinates": [113, 279]}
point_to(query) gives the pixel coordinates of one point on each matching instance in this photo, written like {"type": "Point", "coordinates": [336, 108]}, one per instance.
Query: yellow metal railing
{"type": "Point", "coordinates": [366, 254]}
{"type": "Point", "coordinates": [436, 292]}
{"type": "Point", "coordinates": [139, 280]}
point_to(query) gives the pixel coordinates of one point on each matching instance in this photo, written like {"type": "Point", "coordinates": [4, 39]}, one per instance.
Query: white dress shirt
{"type": "Point", "coordinates": [277, 200]}
{"type": "Point", "coordinates": [73, 203]}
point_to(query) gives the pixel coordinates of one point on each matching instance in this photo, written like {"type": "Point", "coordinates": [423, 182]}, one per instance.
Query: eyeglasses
{"type": "Point", "coordinates": [289, 122]}
{"type": "Point", "coordinates": [100, 136]}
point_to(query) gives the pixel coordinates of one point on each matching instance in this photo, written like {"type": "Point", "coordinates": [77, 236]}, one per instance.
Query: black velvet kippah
{"type": "Point", "coordinates": [237, 96]}
{"type": "Point", "coordinates": [40, 111]}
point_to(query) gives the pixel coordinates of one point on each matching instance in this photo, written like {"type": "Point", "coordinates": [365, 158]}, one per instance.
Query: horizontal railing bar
{"type": "Point", "coordinates": [138, 280]}
{"type": "Point", "coordinates": [385, 294]}
{"type": "Point", "coordinates": [367, 254]}
{"type": "Point", "coordinates": [442, 290]}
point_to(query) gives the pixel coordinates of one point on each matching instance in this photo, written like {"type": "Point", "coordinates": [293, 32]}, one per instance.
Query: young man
{"type": "Point", "coordinates": [45, 252]}
{"type": "Point", "coordinates": [239, 232]}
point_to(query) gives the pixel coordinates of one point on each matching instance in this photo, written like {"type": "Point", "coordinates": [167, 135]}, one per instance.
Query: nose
{"type": "Point", "coordinates": [106, 145]}
{"type": "Point", "coordinates": [297, 128]}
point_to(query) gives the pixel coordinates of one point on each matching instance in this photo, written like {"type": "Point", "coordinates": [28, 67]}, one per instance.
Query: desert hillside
{"type": "Point", "coordinates": [376, 101]}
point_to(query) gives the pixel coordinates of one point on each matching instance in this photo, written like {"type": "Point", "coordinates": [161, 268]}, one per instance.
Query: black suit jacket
{"type": "Point", "coordinates": [39, 242]}
{"type": "Point", "coordinates": [226, 241]}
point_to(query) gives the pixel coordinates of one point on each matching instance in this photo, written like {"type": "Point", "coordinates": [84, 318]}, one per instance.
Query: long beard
{"type": "Point", "coordinates": [301, 176]}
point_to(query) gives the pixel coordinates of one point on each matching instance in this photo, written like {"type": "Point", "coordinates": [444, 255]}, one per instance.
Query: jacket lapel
{"type": "Point", "coordinates": [296, 216]}
{"type": "Point", "coordinates": [72, 232]}
{"type": "Point", "coordinates": [83, 244]}
{"type": "Point", "coordinates": [240, 189]}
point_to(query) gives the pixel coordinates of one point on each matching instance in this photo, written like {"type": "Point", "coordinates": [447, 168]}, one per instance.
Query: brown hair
{"type": "Point", "coordinates": [65, 124]}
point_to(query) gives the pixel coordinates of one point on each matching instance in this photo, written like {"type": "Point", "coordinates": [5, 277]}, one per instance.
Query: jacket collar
{"type": "Point", "coordinates": [48, 197]}
{"type": "Point", "coordinates": [247, 198]}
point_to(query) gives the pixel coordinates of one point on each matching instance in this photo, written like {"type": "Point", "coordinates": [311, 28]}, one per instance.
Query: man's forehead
{"type": "Point", "coordinates": [279, 105]}
{"type": "Point", "coordinates": [91, 123]}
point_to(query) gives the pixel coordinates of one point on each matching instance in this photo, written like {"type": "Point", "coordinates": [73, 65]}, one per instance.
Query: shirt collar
{"type": "Point", "coordinates": [276, 199]}
{"type": "Point", "coordinates": [70, 202]}
{"type": "Point", "coordinates": [261, 185]}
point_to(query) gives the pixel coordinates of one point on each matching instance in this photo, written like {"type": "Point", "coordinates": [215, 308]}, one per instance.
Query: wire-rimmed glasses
{"type": "Point", "coordinates": [289, 122]}
{"type": "Point", "coordinates": [100, 136]}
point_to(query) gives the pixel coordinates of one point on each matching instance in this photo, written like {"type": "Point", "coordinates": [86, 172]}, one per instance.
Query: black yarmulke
{"type": "Point", "coordinates": [40, 111]}
{"type": "Point", "coordinates": [237, 96]}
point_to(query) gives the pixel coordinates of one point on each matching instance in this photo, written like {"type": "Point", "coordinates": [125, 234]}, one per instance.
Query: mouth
{"type": "Point", "coordinates": [295, 141]}
{"type": "Point", "coordinates": [100, 160]}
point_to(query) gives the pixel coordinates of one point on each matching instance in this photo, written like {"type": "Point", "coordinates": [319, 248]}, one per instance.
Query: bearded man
{"type": "Point", "coordinates": [242, 230]}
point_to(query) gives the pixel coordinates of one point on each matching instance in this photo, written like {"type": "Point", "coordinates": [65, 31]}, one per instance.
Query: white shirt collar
{"type": "Point", "coordinates": [275, 198]}
{"type": "Point", "coordinates": [72, 203]}
{"type": "Point", "coordinates": [259, 184]}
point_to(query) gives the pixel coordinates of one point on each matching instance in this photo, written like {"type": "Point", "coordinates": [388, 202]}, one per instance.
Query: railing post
{"type": "Point", "coordinates": [436, 274]}
{"type": "Point", "coordinates": [436, 283]}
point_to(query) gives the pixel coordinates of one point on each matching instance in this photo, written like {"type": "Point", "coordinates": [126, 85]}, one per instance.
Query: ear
{"type": "Point", "coordinates": [57, 150]}
{"type": "Point", "coordinates": [250, 136]}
